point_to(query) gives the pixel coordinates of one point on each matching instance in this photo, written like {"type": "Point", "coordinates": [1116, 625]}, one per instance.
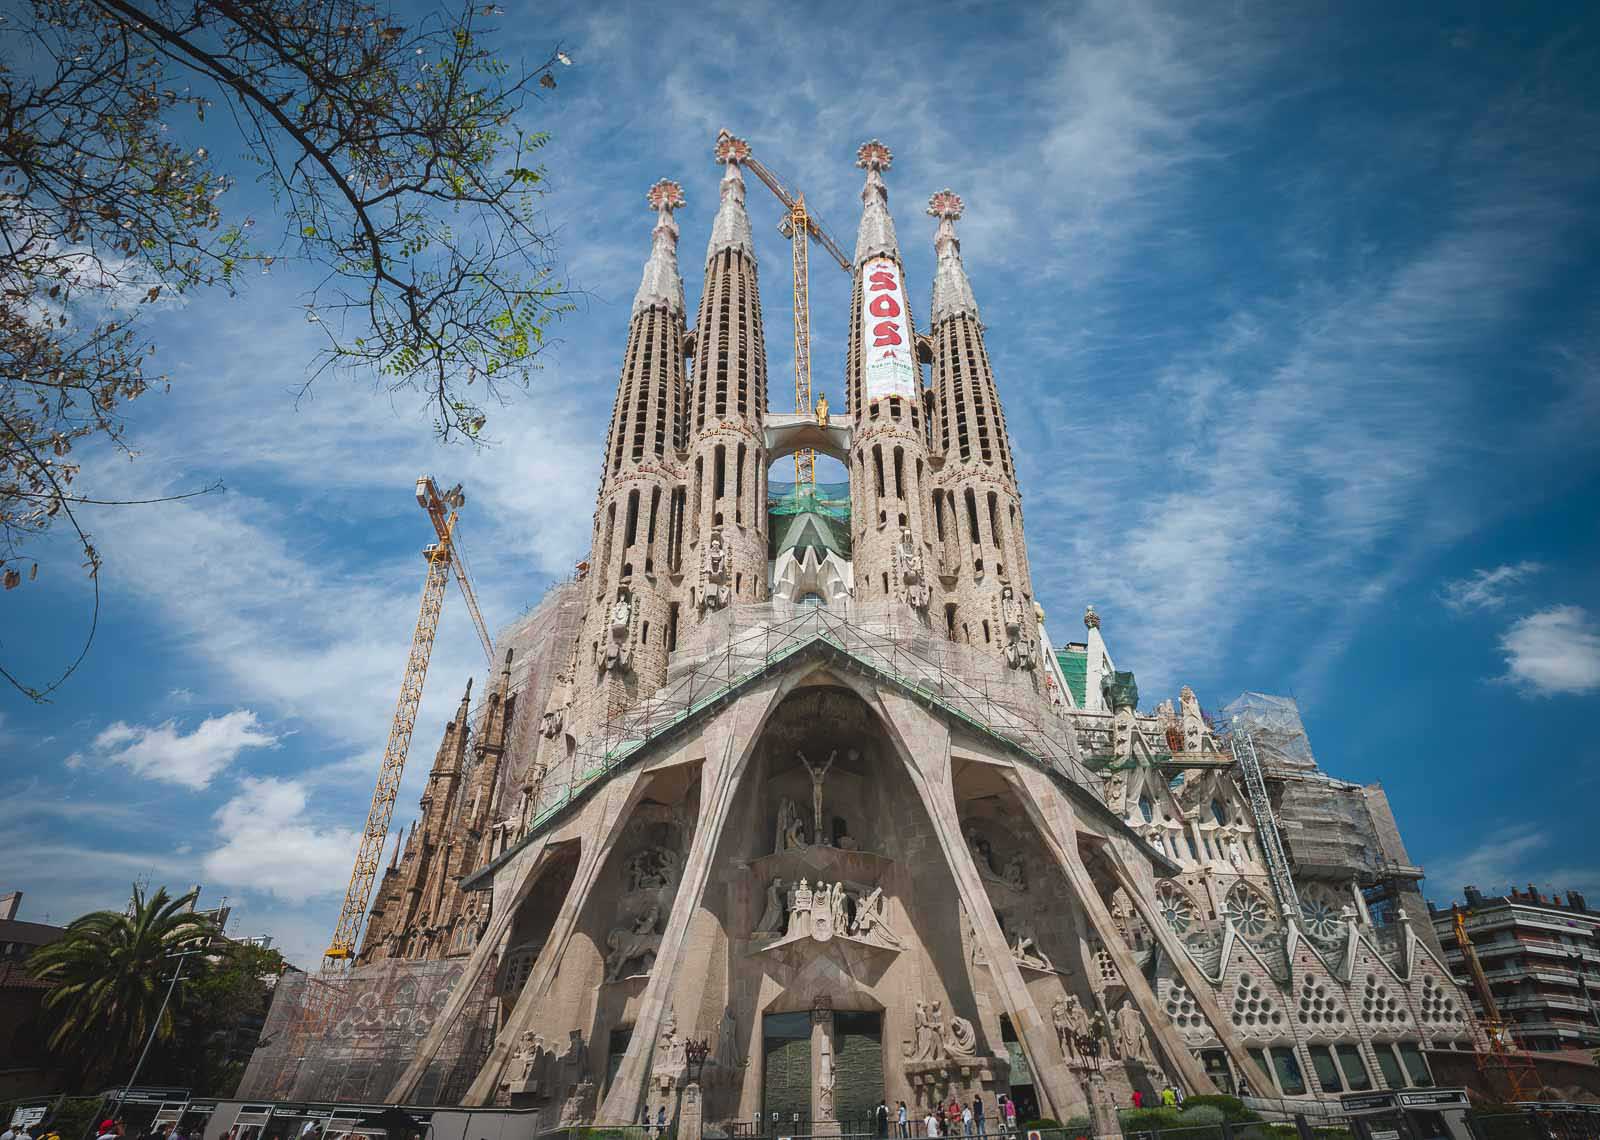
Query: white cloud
{"type": "Point", "coordinates": [1486, 589]}
{"type": "Point", "coordinates": [1511, 856]}
{"type": "Point", "coordinates": [1554, 651]}
{"type": "Point", "coordinates": [165, 752]}
{"type": "Point", "coordinates": [269, 845]}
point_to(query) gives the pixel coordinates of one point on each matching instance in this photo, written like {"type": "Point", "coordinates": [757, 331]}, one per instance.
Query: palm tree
{"type": "Point", "coordinates": [109, 975]}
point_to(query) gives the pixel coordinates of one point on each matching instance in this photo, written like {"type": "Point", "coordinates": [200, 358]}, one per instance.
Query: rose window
{"type": "Point", "coordinates": [1246, 909]}
{"type": "Point", "coordinates": [1321, 916]}
{"type": "Point", "coordinates": [1175, 907]}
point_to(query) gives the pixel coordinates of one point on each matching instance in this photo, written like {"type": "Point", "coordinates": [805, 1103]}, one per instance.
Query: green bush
{"type": "Point", "coordinates": [1233, 1109]}
{"type": "Point", "coordinates": [1146, 1119]}
{"type": "Point", "coordinates": [1200, 1115]}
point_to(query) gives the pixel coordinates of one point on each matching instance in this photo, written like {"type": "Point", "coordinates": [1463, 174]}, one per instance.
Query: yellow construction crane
{"type": "Point", "coordinates": [442, 557]}
{"type": "Point", "coordinates": [1521, 1075]}
{"type": "Point", "coordinates": [798, 225]}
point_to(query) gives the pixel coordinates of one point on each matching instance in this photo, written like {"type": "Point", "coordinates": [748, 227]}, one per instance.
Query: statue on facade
{"type": "Point", "coordinates": [982, 854]}
{"type": "Point", "coordinates": [791, 828]}
{"type": "Point", "coordinates": [627, 945]}
{"type": "Point", "coordinates": [838, 908]}
{"type": "Point", "coordinates": [576, 1108]}
{"type": "Point", "coordinates": [936, 1039]}
{"type": "Point", "coordinates": [929, 1042]}
{"type": "Point", "coordinates": [800, 915]}
{"type": "Point", "coordinates": [1015, 874]}
{"type": "Point", "coordinates": [821, 409]}
{"type": "Point", "coordinates": [870, 924]}
{"type": "Point", "coordinates": [550, 723]}
{"type": "Point", "coordinates": [909, 572]}
{"type": "Point", "coordinates": [1019, 646]}
{"type": "Point", "coordinates": [1072, 1024]}
{"type": "Point", "coordinates": [528, 1063]}
{"type": "Point", "coordinates": [1132, 1041]}
{"type": "Point", "coordinates": [772, 918]}
{"type": "Point", "coordinates": [962, 1039]}
{"type": "Point", "coordinates": [825, 1081]}
{"type": "Point", "coordinates": [618, 654]}
{"type": "Point", "coordinates": [654, 868]}
{"type": "Point", "coordinates": [715, 591]}
{"type": "Point", "coordinates": [728, 1042]}
{"type": "Point", "coordinates": [1025, 948]}
{"type": "Point", "coordinates": [817, 776]}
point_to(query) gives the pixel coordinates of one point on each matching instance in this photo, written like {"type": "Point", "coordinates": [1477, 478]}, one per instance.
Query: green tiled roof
{"type": "Point", "coordinates": [1075, 668]}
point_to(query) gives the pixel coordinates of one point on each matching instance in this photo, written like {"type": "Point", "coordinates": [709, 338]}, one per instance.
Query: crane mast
{"type": "Point", "coordinates": [441, 557]}
{"type": "Point", "coordinates": [801, 227]}
{"type": "Point", "coordinates": [1520, 1074]}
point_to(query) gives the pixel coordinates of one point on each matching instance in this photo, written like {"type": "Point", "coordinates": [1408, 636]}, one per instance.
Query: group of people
{"type": "Point", "coordinates": [30, 1132]}
{"type": "Point", "coordinates": [953, 1119]}
{"type": "Point", "coordinates": [1170, 1097]}
{"type": "Point", "coordinates": [107, 1130]}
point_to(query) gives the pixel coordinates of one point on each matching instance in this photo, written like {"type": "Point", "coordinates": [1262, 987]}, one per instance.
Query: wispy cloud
{"type": "Point", "coordinates": [1486, 589]}
{"type": "Point", "coordinates": [1510, 856]}
{"type": "Point", "coordinates": [1554, 652]}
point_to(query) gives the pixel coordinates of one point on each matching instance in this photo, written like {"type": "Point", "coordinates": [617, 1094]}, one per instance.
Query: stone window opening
{"type": "Point", "coordinates": [986, 638]}
{"type": "Point", "coordinates": [631, 530]}
{"type": "Point", "coordinates": [719, 472]}
{"type": "Point", "coordinates": [894, 407]}
{"type": "Point", "coordinates": [644, 634]}
{"type": "Point", "coordinates": [899, 473]}
{"type": "Point", "coordinates": [950, 620]}
{"type": "Point", "coordinates": [886, 584]}
{"type": "Point", "coordinates": [877, 467]}
{"type": "Point", "coordinates": [938, 511]}
{"type": "Point", "coordinates": [672, 627]}
{"type": "Point", "coordinates": [972, 517]}
{"type": "Point", "coordinates": [902, 519]}
{"type": "Point", "coordinates": [738, 487]}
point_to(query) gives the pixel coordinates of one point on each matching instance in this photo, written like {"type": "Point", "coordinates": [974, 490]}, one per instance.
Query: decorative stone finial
{"type": "Point", "coordinates": [874, 155]}
{"type": "Point", "coordinates": [875, 235]}
{"type": "Point", "coordinates": [730, 148]}
{"type": "Point", "coordinates": [946, 204]}
{"type": "Point", "coordinates": [952, 292]}
{"type": "Point", "coordinates": [662, 286]}
{"type": "Point", "coordinates": [1091, 620]}
{"type": "Point", "coordinates": [665, 195]}
{"type": "Point", "coordinates": [731, 227]}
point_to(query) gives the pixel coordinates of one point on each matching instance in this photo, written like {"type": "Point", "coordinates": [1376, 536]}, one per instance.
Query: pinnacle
{"type": "Point", "coordinates": [662, 285]}
{"type": "Point", "coordinates": [731, 229]}
{"type": "Point", "coordinates": [952, 292]}
{"type": "Point", "coordinates": [875, 235]}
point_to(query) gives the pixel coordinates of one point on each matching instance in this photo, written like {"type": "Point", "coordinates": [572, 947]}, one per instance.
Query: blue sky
{"type": "Point", "coordinates": [1292, 308]}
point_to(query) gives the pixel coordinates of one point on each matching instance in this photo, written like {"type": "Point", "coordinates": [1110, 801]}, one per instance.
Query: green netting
{"type": "Point", "coordinates": [809, 515]}
{"type": "Point", "coordinates": [1075, 668]}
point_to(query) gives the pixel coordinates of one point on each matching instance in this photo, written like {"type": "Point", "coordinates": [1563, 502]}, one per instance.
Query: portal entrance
{"type": "Point", "coordinates": [858, 1049]}
{"type": "Point", "coordinates": [786, 1045]}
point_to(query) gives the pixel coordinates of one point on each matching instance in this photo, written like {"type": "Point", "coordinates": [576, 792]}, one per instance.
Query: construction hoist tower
{"type": "Point", "coordinates": [801, 227]}
{"type": "Point", "coordinates": [1255, 782]}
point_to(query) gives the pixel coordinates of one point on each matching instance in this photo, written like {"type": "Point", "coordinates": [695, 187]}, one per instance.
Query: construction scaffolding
{"type": "Point", "coordinates": [1275, 729]}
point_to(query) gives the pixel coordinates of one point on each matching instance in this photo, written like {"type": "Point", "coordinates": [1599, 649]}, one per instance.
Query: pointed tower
{"type": "Point", "coordinates": [630, 613]}
{"type": "Point", "coordinates": [977, 508]}
{"type": "Point", "coordinates": [889, 474]}
{"type": "Point", "coordinates": [726, 474]}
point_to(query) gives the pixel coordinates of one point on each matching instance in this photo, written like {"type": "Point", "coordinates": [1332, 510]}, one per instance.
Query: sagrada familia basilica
{"type": "Point", "coordinates": [799, 774]}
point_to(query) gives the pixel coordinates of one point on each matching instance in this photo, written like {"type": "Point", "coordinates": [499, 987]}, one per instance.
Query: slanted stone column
{"type": "Point", "coordinates": [925, 745]}
{"type": "Point", "coordinates": [603, 822]}
{"type": "Point", "coordinates": [1054, 820]}
{"type": "Point", "coordinates": [824, 1074]}
{"type": "Point", "coordinates": [726, 755]}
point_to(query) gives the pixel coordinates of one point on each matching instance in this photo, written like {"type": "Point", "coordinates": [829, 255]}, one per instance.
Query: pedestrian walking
{"type": "Point", "coordinates": [1011, 1115]}
{"type": "Point", "coordinates": [977, 1114]}
{"type": "Point", "coordinates": [900, 1119]}
{"type": "Point", "coordinates": [930, 1124]}
{"type": "Point", "coordinates": [1138, 1099]}
{"type": "Point", "coordinates": [966, 1120]}
{"type": "Point", "coordinates": [882, 1118]}
{"type": "Point", "coordinates": [1177, 1094]}
{"type": "Point", "coordinates": [1169, 1099]}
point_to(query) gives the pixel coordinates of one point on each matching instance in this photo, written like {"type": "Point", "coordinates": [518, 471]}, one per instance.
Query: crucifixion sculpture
{"type": "Point", "coordinates": [817, 776]}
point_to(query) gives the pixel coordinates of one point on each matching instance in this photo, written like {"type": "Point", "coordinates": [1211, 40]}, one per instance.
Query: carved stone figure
{"type": "Point", "coordinates": [728, 1042]}
{"type": "Point", "coordinates": [791, 829]}
{"type": "Point", "coordinates": [822, 410]}
{"type": "Point", "coordinates": [1235, 851]}
{"type": "Point", "coordinates": [928, 1043]}
{"type": "Point", "coordinates": [714, 590]}
{"type": "Point", "coordinates": [576, 1108]}
{"type": "Point", "coordinates": [870, 924]}
{"type": "Point", "coordinates": [982, 854]}
{"type": "Point", "coordinates": [909, 572]}
{"type": "Point", "coordinates": [936, 1031]}
{"type": "Point", "coordinates": [1072, 1024]}
{"type": "Point", "coordinates": [1019, 646]}
{"type": "Point", "coordinates": [961, 1040]}
{"type": "Point", "coordinates": [550, 723]}
{"type": "Point", "coordinates": [1015, 874]}
{"type": "Point", "coordinates": [838, 908]}
{"type": "Point", "coordinates": [1025, 948]}
{"type": "Point", "coordinates": [618, 653]}
{"type": "Point", "coordinates": [772, 918]}
{"type": "Point", "coordinates": [630, 945]}
{"type": "Point", "coordinates": [800, 916]}
{"type": "Point", "coordinates": [654, 868]}
{"type": "Point", "coordinates": [527, 1062]}
{"type": "Point", "coordinates": [817, 776]}
{"type": "Point", "coordinates": [825, 1081]}
{"type": "Point", "coordinates": [1132, 1041]}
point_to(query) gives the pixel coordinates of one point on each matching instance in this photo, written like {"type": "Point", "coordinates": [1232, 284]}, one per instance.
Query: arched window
{"type": "Point", "coordinates": [1147, 808]}
{"type": "Point", "coordinates": [812, 600]}
{"type": "Point", "coordinates": [1219, 812]}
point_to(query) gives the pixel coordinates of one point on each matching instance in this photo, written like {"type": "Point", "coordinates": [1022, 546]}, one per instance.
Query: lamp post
{"type": "Point", "coordinates": [691, 1119]}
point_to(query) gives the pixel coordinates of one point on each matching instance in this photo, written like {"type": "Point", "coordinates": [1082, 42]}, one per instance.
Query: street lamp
{"type": "Point", "coordinates": [696, 1053]}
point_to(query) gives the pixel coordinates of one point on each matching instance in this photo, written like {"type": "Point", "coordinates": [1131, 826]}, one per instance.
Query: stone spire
{"type": "Point", "coordinates": [726, 475]}
{"type": "Point", "coordinates": [662, 286]}
{"type": "Point", "coordinates": [952, 292]}
{"type": "Point", "coordinates": [875, 234]}
{"type": "Point", "coordinates": [731, 229]}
